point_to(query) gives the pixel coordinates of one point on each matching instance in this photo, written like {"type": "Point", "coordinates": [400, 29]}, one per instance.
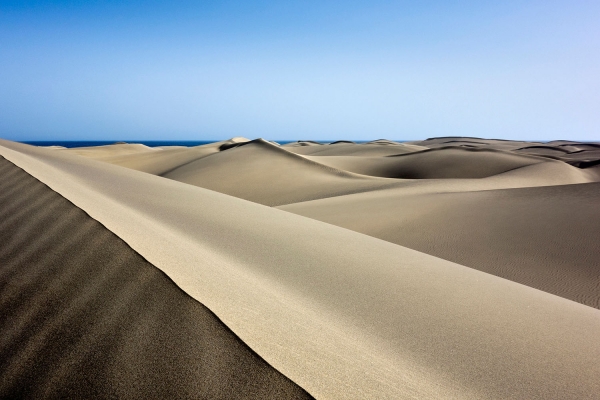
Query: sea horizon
{"type": "Point", "coordinates": [192, 143]}
{"type": "Point", "coordinates": [155, 143]}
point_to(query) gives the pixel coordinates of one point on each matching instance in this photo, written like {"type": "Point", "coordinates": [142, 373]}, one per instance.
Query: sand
{"type": "Point", "coordinates": [265, 173]}
{"type": "Point", "coordinates": [428, 287]}
{"type": "Point", "coordinates": [543, 237]}
{"type": "Point", "coordinates": [439, 163]}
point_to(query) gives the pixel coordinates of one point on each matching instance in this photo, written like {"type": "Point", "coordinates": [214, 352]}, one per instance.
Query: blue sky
{"type": "Point", "coordinates": [104, 70]}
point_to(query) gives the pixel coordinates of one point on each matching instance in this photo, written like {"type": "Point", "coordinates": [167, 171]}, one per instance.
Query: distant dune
{"type": "Point", "coordinates": [444, 268]}
{"type": "Point", "coordinates": [372, 149]}
{"type": "Point", "coordinates": [265, 173]}
{"type": "Point", "coordinates": [439, 163]}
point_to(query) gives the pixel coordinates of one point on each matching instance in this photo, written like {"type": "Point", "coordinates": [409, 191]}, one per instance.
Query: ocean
{"type": "Point", "coordinates": [151, 143]}
{"type": "Point", "coordinates": [87, 143]}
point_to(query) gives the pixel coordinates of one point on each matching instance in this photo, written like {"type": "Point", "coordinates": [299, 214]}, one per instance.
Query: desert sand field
{"type": "Point", "coordinates": [454, 268]}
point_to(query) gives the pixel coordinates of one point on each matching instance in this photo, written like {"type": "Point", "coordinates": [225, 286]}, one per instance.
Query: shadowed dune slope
{"type": "Point", "coordinates": [544, 237]}
{"type": "Point", "coordinates": [441, 163]}
{"type": "Point", "coordinates": [84, 316]}
{"type": "Point", "coordinates": [265, 173]}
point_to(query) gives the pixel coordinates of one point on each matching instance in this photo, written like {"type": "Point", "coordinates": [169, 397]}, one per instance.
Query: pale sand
{"type": "Point", "coordinates": [544, 237]}
{"type": "Point", "coordinates": [343, 314]}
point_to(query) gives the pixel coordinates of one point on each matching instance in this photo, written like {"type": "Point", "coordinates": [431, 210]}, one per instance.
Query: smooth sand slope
{"type": "Point", "coordinates": [82, 315]}
{"type": "Point", "coordinates": [342, 314]}
{"type": "Point", "coordinates": [544, 237]}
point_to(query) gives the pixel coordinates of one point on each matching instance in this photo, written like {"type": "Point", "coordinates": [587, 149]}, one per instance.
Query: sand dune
{"type": "Point", "coordinates": [472, 142]}
{"type": "Point", "coordinates": [440, 163]}
{"type": "Point", "coordinates": [351, 149]}
{"type": "Point", "coordinates": [168, 158]}
{"type": "Point", "coordinates": [340, 313]}
{"type": "Point", "coordinates": [575, 153]}
{"type": "Point", "coordinates": [99, 152]}
{"type": "Point", "coordinates": [544, 237]}
{"type": "Point", "coordinates": [160, 162]}
{"type": "Point", "coordinates": [82, 315]}
{"type": "Point", "coordinates": [265, 173]}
